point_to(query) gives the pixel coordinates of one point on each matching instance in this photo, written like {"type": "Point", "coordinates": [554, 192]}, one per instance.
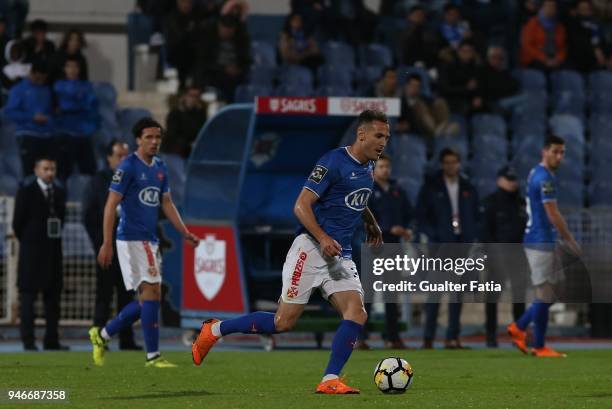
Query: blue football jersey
{"type": "Point", "coordinates": [142, 187]}
{"type": "Point", "coordinates": [541, 187]}
{"type": "Point", "coordinates": [343, 186]}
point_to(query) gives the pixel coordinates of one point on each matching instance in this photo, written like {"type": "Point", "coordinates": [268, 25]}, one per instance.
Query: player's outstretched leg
{"type": "Point", "coordinates": [259, 322]}
{"type": "Point", "coordinates": [100, 337]}
{"type": "Point", "coordinates": [350, 305]}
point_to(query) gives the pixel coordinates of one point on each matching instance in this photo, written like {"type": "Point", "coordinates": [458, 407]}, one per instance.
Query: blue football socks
{"type": "Point", "coordinates": [128, 315]}
{"type": "Point", "coordinates": [150, 326]}
{"type": "Point", "coordinates": [540, 322]}
{"type": "Point", "coordinates": [259, 322]}
{"type": "Point", "coordinates": [342, 346]}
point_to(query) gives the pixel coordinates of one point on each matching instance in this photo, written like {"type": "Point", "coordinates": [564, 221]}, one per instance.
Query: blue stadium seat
{"type": "Point", "coordinates": [248, 92]}
{"type": "Point", "coordinates": [8, 185]}
{"type": "Point", "coordinates": [403, 72]}
{"type": "Point", "coordinates": [338, 75]}
{"type": "Point", "coordinates": [75, 187]}
{"type": "Point", "coordinates": [571, 193]}
{"type": "Point", "coordinates": [530, 80]}
{"type": "Point", "coordinates": [489, 124]}
{"type": "Point", "coordinates": [8, 141]}
{"type": "Point", "coordinates": [456, 143]}
{"type": "Point", "coordinates": [127, 117]}
{"type": "Point", "coordinates": [106, 94]}
{"type": "Point", "coordinates": [265, 27]}
{"type": "Point", "coordinates": [334, 91]}
{"type": "Point", "coordinates": [263, 54]}
{"type": "Point", "coordinates": [601, 103]}
{"type": "Point", "coordinates": [600, 82]}
{"type": "Point", "coordinates": [535, 105]}
{"type": "Point", "coordinates": [177, 175]}
{"type": "Point", "coordinates": [295, 75]}
{"type": "Point", "coordinates": [12, 166]}
{"type": "Point", "coordinates": [568, 95]}
{"type": "Point", "coordinates": [489, 146]}
{"type": "Point", "coordinates": [526, 156]}
{"type": "Point", "coordinates": [485, 185]}
{"type": "Point", "coordinates": [287, 90]}
{"type": "Point", "coordinates": [569, 127]}
{"type": "Point", "coordinates": [366, 78]}
{"type": "Point", "coordinates": [375, 55]}
{"type": "Point", "coordinates": [411, 186]}
{"type": "Point", "coordinates": [337, 53]}
{"type": "Point", "coordinates": [600, 192]}
{"type": "Point", "coordinates": [261, 75]}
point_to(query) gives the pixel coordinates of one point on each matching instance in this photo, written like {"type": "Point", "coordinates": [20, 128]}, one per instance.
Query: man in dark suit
{"type": "Point", "coordinates": [38, 218]}
{"type": "Point", "coordinates": [93, 217]}
{"type": "Point", "coordinates": [447, 212]}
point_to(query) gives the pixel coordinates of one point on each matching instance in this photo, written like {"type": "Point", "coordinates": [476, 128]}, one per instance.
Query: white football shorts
{"type": "Point", "coordinates": [140, 261]}
{"type": "Point", "coordinates": [305, 269]}
{"type": "Point", "coordinates": [544, 265]}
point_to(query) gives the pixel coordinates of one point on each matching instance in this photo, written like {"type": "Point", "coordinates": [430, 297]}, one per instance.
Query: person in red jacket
{"type": "Point", "coordinates": [543, 39]}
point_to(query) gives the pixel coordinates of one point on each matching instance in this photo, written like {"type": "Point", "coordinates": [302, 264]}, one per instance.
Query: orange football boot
{"type": "Point", "coordinates": [203, 342]}
{"type": "Point", "coordinates": [335, 387]}
{"type": "Point", "coordinates": [519, 337]}
{"type": "Point", "coordinates": [546, 352]}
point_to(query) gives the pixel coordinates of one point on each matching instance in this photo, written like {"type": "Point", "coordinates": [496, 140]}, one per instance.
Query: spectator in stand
{"type": "Point", "coordinates": [72, 46]}
{"type": "Point", "coordinates": [297, 46]}
{"type": "Point", "coordinates": [223, 58]}
{"type": "Point", "coordinates": [543, 39]}
{"type": "Point", "coordinates": [37, 47]}
{"type": "Point", "coordinates": [14, 69]}
{"type": "Point", "coordinates": [312, 12]}
{"type": "Point", "coordinates": [38, 218]}
{"type": "Point", "coordinates": [527, 10]}
{"type": "Point", "coordinates": [351, 21]}
{"type": "Point", "coordinates": [236, 8]}
{"type": "Point", "coordinates": [393, 212]}
{"type": "Point", "coordinates": [422, 115]}
{"type": "Point", "coordinates": [184, 123]}
{"type": "Point", "coordinates": [585, 40]}
{"type": "Point", "coordinates": [15, 13]}
{"type": "Point", "coordinates": [30, 107]}
{"type": "Point", "coordinates": [76, 121]}
{"type": "Point", "coordinates": [420, 43]}
{"type": "Point", "coordinates": [454, 28]}
{"type": "Point", "coordinates": [499, 89]}
{"type": "Point", "coordinates": [447, 211]}
{"type": "Point", "coordinates": [458, 81]}
{"type": "Point", "coordinates": [386, 87]}
{"type": "Point", "coordinates": [181, 32]}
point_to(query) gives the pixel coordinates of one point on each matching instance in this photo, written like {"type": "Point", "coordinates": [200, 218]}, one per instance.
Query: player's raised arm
{"type": "Point", "coordinates": [105, 256]}
{"type": "Point", "coordinates": [173, 215]}
{"type": "Point", "coordinates": [373, 231]}
{"type": "Point", "coordinates": [303, 211]}
{"type": "Point", "coordinates": [557, 220]}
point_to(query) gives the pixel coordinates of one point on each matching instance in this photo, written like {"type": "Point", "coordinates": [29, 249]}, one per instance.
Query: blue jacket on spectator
{"type": "Point", "coordinates": [435, 214]}
{"type": "Point", "coordinates": [25, 101]}
{"type": "Point", "coordinates": [390, 208]}
{"type": "Point", "coordinates": [77, 107]}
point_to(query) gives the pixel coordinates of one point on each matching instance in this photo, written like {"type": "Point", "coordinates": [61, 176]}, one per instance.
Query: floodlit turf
{"type": "Point", "coordinates": [286, 379]}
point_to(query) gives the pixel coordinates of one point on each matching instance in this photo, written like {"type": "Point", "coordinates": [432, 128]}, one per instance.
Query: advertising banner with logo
{"type": "Point", "coordinates": [212, 280]}
{"type": "Point", "coordinates": [336, 106]}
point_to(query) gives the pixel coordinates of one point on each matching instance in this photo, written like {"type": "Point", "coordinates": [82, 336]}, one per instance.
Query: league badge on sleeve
{"type": "Point", "coordinates": [547, 188]}
{"type": "Point", "coordinates": [118, 176]}
{"type": "Point", "coordinates": [318, 173]}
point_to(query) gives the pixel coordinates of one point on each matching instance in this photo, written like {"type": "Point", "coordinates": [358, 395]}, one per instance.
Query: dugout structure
{"type": "Point", "coordinates": [246, 169]}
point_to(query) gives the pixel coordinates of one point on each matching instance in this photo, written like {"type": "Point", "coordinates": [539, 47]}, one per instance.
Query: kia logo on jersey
{"type": "Point", "coordinates": [358, 199]}
{"type": "Point", "coordinates": [149, 196]}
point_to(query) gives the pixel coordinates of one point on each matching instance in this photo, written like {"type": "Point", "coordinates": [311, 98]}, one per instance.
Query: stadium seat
{"type": "Point", "coordinates": [127, 117]}
{"type": "Point", "coordinates": [488, 124]}
{"type": "Point", "coordinates": [75, 187]}
{"type": "Point", "coordinates": [485, 185]}
{"type": "Point", "coordinates": [287, 90]}
{"type": "Point", "coordinates": [248, 92]}
{"type": "Point", "coordinates": [334, 91]}
{"type": "Point", "coordinates": [338, 54]}
{"type": "Point", "coordinates": [571, 194]}
{"type": "Point", "coordinates": [366, 78]}
{"type": "Point", "coordinates": [489, 146]}
{"type": "Point", "coordinates": [530, 80]}
{"type": "Point", "coordinates": [106, 94]}
{"type": "Point", "coordinates": [295, 75]}
{"type": "Point", "coordinates": [265, 27]}
{"type": "Point", "coordinates": [568, 94]}
{"type": "Point", "coordinates": [261, 75]}
{"type": "Point", "coordinates": [375, 55]}
{"type": "Point", "coordinates": [339, 75]}
{"type": "Point", "coordinates": [600, 192]}
{"type": "Point", "coordinates": [600, 82]}
{"type": "Point", "coordinates": [535, 105]}
{"type": "Point", "coordinates": [568, 127]}
{"type": "Point", "coordinates": [411, 186]}
{"type": "Point", "coordinates": [527, 127]}
{"type": "Point", "coordinates": [263, 54]}
{"type": "Point", "coordinates": [177, 175]}
{"type": "Point", "coordinates": [8, 185]}
{"type": "Point", "coordinates": [456, 143]}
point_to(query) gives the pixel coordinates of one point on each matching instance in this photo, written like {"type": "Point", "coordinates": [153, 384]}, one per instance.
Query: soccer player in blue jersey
{"type": "Point", "coordinates": [331, 204]}
{"type": "Point", "coordinates": [544, 223]}
{"type": "Point", "coordinates": [139, 187]}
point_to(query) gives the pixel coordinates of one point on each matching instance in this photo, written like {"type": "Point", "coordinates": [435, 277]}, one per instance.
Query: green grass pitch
{"type": "Point", "coordinates": [286, 379]}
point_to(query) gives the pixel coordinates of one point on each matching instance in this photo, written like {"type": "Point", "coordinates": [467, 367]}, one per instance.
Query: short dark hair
{"type": "Point", "coordinates": [384, 156]}
{"type": "Point", "coordinates": [553, 140]}
{"type": "Point", "coordinates": [370, 115]}
{"type": "Point", "coordinates": [450, 6]}
{"type": "Point", "coordinates": [144, 123]}
{"type": "Point", "coordinates": [39, 67]}
{"type": "Point", "coordinates": [448, 152]}
{"type": "Point", "coordinates": [414, 76]}
{"type": "Point", "coordinates": [386, 70]}
{"type": "Point", "coordinates": [227, 20]}
{"type": "Point", "coordinates": [45, 156]}
{"type": "Point", "coordinates": [109, 147]}
{"type": "Point", "coordinates": [39, 25]}
{"type": "Point", "coordinates": [72, 58]}
{"type": "Point", "coordinates": [68, 34]}
{"type": "Point", "coordinates": [416, 7]}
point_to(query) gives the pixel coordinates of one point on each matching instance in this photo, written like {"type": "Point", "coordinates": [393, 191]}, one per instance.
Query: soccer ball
{"type": "Point", "coordinates": [393, 375]}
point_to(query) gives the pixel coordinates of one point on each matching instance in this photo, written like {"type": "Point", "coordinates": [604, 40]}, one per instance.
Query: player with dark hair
{"type": "Point", "coordinates": [329, 208]}
{"type": "Point", "coordinates": [544, 223]}
{"type": "Point", "coordinates": [140, 186]}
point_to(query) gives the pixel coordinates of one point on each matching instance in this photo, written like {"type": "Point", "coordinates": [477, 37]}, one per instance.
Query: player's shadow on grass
{"type": "Point", "coordinates": [160, 395]}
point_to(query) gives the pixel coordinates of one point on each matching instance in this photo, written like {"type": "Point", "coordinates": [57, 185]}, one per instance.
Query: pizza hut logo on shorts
{"type": "Point", "coordinates": [274, 104]}
{"type": "Point", "coordinates": [297, 272]}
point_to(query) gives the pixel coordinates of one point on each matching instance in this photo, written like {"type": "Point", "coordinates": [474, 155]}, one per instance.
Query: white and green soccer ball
{"type": "Point", "coordinates": [393, 375]}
